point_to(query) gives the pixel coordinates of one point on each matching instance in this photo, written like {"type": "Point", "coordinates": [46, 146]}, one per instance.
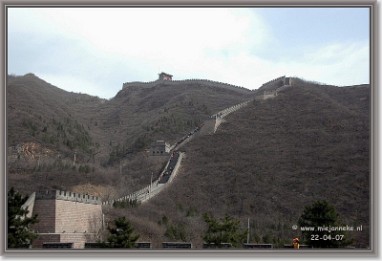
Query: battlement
{"type": "Point", "coordinates": [277, 84]}
{"type": "Point", "coordinates": [209, 83]}
{"type": "Point", "coordinates": [279, 79]}
{"type": "Point", "coordinates": [68, 196]}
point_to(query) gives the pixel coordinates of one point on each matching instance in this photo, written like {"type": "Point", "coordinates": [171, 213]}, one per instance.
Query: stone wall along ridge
{"type": "Point", "coordinates": [223, 113]}
{"type": "Point", "coordinates": [68, 196]}
{"type": "Point", "coordinates": [274, 80]}
{"type": "Point", "coordinates": [148, 191]}
{"type": "Point", "coordinates": [209, 83]}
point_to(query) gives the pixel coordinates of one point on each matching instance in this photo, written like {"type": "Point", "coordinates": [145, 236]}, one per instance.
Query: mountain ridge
{"type": "Point", "coordinates": [98, 134]}
{"type": "Point", "coordinates": [269, 160]}
{"type": "Point", "coordinates": [265, 162]}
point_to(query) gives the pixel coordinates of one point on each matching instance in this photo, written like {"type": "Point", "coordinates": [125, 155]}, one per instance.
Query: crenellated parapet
{"type": "Point", "coordinates": [206, 82]}
{"type": "Point", "coordinates": [278, 79]}
{"type": "Point", "coordinates": [140, 84]}
{"type": "Point", "coordinates": [68, 196]}
{"type": "Point", "coordinates": [275, 83]}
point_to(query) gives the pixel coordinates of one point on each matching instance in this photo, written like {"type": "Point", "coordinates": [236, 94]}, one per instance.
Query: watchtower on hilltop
{"type": "Point", "coordinates": [165, 76]}
{"type": "Point", "coordinates": [159, 148]}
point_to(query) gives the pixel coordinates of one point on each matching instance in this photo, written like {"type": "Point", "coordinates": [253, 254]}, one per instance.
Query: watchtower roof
{"type": "Point", "coordinates": [165, 74]}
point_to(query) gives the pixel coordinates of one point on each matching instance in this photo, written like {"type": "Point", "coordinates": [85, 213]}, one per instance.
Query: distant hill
{"type": "Point", "coordinates": [40, 112]}
{"type": "Point", "coordinates": [164, 110]}
{"type": "Point", "coordinates": [267, 162]}
{"type": "Point", "coordinates": [98, 141]}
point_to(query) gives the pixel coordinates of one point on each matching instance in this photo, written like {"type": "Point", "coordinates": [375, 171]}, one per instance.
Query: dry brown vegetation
{"type": "Point", "coordinates": [266, 162]}
{"type": "Point", "coordinates": [108, 138]}
{"type": "Point", "coordinates": [270, 160]}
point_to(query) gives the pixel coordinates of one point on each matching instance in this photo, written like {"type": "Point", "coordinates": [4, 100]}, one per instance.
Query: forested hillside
{"type": "Point", "coordinates": [79, 142]}
{"type": "Point", "coordinates": [268, 161]}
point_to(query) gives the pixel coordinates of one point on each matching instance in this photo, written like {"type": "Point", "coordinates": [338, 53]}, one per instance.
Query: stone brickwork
{"type": "Point", "coordinates": [192, 81]}
{"type": "Point", "coordinates": [165, 76]}
{"type": "Point", "coordinates": [149, 191]}
{"type": "Point", "coordinates": [223, 113]}
{"type": "Point", "coordinates": [159, 148]}
{"type": "Point", "coordinates": [278, 83]}
{"type": "Point", "coordinates": [208, 127]}
{"type": "Point", "coordinates": [69, 196]}
{"type": "Point", "coordinates": [76, 217]}
{"type": "Point", "coordinates": [67, 217]}
{"type": "Point", "coordinates": [269, 94]}
{"type": "Point", "coordinates": [77, 239]}
{"type": "Point", "coordinates": [274, 84]}
{"type": "Point", "coordinates": [45, 238]}
{"type": "Point", "coordinates": [271, 89]}
{"type": "Point", "coordinates": [46, 211]}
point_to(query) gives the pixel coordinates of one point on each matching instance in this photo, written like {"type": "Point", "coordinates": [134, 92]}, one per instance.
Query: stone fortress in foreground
{"type": "Point", "coordinates": [66, 219]}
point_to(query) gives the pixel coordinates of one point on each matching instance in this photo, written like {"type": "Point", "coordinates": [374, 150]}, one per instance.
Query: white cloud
{"type": "Point", "coordinates": [188, 42]}
{"type": "Point", "coordinates": [102, 48]}
{"type": "Point", "coordinates": [339, 63]}
{"type": "Point", "coordinates": [75, 84]}
{"type": "Point", "coordinates": [160, 32]}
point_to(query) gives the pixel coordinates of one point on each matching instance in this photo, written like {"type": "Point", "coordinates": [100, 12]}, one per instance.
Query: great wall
{"type": "Point", "coordinates": [209, 127]}
{"type": "Point", "coordinates": [223, 113]}
{"type": "Point", "coordinates": [156, 187]}
{"type": "Point", "coordinates": [151, 190]}
{"type": "Point", "coordinates": [205, 82]}
{"type": "Point", "coordinates": [73, 220]}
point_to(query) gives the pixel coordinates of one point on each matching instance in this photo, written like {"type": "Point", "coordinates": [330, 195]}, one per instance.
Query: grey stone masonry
{"type": "Point", "coordinates": [68, 196]}
{"type": "Point", "coordinates": [277, 83]}
{"type": "Point", "coordinates": [149, 191]}
{"type": "Point", "coordinates": [187, 81]}
{"type": "Point", "coordinates": [223, 113]}
{"type": "Point", "coordinates": [271, 82]}
{"type": "Point", "coordinates": [227, 111]}
{"type": "Point", "coordinates": [272, 88]}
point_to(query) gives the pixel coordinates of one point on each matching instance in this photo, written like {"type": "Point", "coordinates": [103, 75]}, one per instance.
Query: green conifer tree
{"type": "Point", "coordinates": [19, 231]}
{"type": "Point", "coordinates": [321, 215]}
{"type": "Point", "coordinates": [225, 230]}
{"type": "Point", "coordinates": [122, 235]}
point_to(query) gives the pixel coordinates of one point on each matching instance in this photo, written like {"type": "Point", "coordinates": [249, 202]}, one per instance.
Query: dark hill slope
{"type": "Point", "coordinates": [40, 112]}
{"type": "Point", "coordinates": [270, 160]}
{"type": "Point", "coordinates": [109, 138]}
{"type": "Point", "coordinates": [165, 110]}
{"type": "Point", "coordinates": [136, 115]}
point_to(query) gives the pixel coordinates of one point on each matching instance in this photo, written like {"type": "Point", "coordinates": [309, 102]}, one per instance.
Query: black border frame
{"type": "Point", "coordinates": [375, 142]}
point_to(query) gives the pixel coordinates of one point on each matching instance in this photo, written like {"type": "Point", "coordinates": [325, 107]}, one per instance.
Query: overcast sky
{"type": "Point", "coordinates": [96, 50]}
